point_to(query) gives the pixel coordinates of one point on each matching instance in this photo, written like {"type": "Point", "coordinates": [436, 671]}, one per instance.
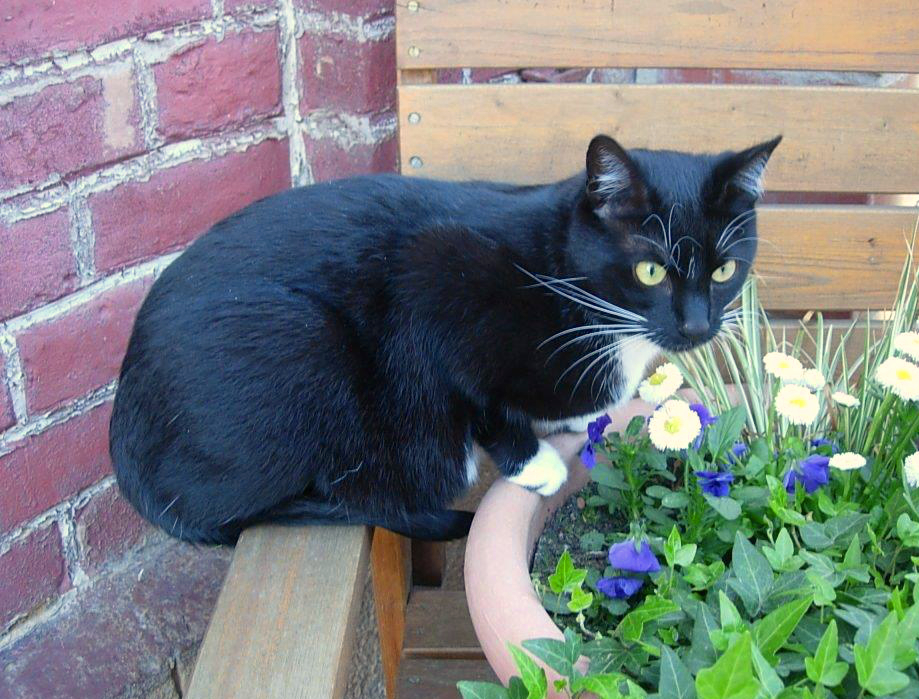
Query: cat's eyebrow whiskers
{"type": "Point", "coordinates": [736, 223]}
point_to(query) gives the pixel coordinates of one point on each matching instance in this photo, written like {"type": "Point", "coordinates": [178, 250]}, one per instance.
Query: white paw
{"type": "Point", "coordinates": [545, 472]}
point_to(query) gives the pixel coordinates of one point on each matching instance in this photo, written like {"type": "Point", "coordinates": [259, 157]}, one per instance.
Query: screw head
{"type": "Point", "coordinates": [414, 51]}
{"type": "Point", "coordinates": [415, 162]}
{"type": "Point", "coordinates": [413, 6]}
{"type": "Point", "coordinates": [414, 117]}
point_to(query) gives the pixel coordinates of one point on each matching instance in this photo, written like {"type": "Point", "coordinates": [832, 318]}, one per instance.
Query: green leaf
{"type": "Point", "coordinates": [908, 531]}
{"type": "Point", "coordinates": [686, 554]}
{"type": "Point", "coordinates": [814, 536]}
{"type": "Point", "coordinates": [874, 662]}
{"type": "Point", "coordinates": [592, 541]}
{"type": "Point", "coordinates": [731, 677]}
{"type": "Point", "coordinates": [773, 630]}
{"type": "Point", "coordinates": [780, 556]}
{"type": "Point", "coordinates": [701, 650]}
{"type": "Point", "coordinates": [842, 527]}
{"type": "Point", "coordinates": [632, 624]}
{"type": "Point", "coordinates": [517, 689]}
{"type": "Point", "coordinates": [676, 680]}
{"type": "Point", "coordinates": [730, 617]}
{"type": "Point", "coordinates": [853, 557]}
{"type": "Point", "coordinates": [482, 690]}
{"type": "Point", "coordinates": [823, 668]}
{"type": "Point", "coordinates": [722, 435]}
{"type": "Point", "coordinates": [751, 568]}
{"type": "Point", "coordinates": [566, 577]}
{"type": "Point", "coordinates": [533, 676]}
{"type": "Point", "coordinates": [727, 507]}
{"type": "Point", "coordinates": [604, 686]}
{"type": "Point", "coordinates": [580, 600]}
{"type": "Point", "coordinates": [675, 500]}
{"type": "Point", "coordinates": [772, 684]}
{"type": "Point", "coordinates": [824, 593]}
{"type": "Point", "coordinates": [553, 653]}
{"type": "Point", "coordinates": [672, 545]}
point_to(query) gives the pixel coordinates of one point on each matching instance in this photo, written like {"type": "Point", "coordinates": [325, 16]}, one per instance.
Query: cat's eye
{"type": "Point", "coordinates": [650, 273]}
{"type": "Point", "coordinates": [724, 272]}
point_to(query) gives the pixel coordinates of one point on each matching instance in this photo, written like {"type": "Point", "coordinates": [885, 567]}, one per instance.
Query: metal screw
{"type": "Point", "coordinates": [413, 6]}
{"type": "Point", "coordinates": [415, 162]}
{"type": "Point", "coordinates": [414, 51]}
{"type": "Point", "coordinates": [414, 117]}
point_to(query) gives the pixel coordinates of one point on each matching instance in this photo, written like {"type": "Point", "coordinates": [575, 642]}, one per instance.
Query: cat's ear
{"type": "Point", "coordinates": [612, 177]}
{"type": "Point", "coordinates": [740, 175]}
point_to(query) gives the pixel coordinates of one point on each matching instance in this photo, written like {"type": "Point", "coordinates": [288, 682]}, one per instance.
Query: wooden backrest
{"type": "Point", "coordinates": [837, 139]}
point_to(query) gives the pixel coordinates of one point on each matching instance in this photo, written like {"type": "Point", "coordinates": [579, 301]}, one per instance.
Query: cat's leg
{"type": "Point", "coordinates": [521, 457]}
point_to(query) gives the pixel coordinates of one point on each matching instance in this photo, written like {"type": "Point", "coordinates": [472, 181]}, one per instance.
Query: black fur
{"type": "Point", "coordinates": [327, 355]}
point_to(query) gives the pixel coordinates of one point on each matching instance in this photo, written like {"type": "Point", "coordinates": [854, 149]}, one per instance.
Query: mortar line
{"type": "Point", "coordinates": [289, 30]}
{"type": "Point", "coordinates": [14, 376]}
{"type": "Point", "coordinates": [82, 239]}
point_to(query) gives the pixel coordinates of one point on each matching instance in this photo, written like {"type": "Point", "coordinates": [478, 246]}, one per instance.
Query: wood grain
{"type": "Point", "coordinates": [837, 35]}
{"type": "Point", "coordinates": [390, 561]}
{"type": "Point", "coordinates": [435, 678]}
{"type": "Point", "coordinates": [285, 617]}
{"type": "Point", "coordinates": [838, 139]}
{"type": "Point", "coordinates": [437, 625]}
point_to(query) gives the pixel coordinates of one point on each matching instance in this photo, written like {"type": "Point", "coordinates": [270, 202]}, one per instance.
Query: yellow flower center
{"type": "Point", "coordinates": [798, 402]}
{"type": "Point", "coordinates": [672, 425]}
{"type": "Point", "coordinates": [657, 378]}
{"type": "Point", "coordinates": [903, 375]}
{"type": "Point", "coordinates": [783, 364]}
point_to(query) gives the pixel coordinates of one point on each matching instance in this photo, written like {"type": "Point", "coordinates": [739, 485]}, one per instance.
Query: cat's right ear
{"type": "Point", "coordinates": [612, 177]}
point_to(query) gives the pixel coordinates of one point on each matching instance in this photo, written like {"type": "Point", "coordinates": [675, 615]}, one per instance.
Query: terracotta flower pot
{"type": "Point", "coordinates": [502, 602]}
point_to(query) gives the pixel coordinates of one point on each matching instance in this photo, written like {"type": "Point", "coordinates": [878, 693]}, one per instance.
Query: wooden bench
{"type": "Point", "coordinates": [283, 622]}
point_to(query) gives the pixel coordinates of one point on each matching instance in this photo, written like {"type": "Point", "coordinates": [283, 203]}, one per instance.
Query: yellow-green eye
{"type": "Point", "coordinates": [724, 272]}
{"type": "Point", "coordinates": [650, 273]}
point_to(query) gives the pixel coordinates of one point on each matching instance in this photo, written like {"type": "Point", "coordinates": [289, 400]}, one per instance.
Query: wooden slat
{"type": "Point", "coordinates": [437, 625]}
{"type": "Point", "coordinates": [796, 34]}
{"type": "Point", "coordinates": [391, 563]}
{"type": "Point", "coordinates": [284, 621]}
{"type": "Point", "coordinates": [435, 678]}
{"type": "Point", "coordinates": [832, 257]}
{"type": "Point", "coordinates": [836, 139]}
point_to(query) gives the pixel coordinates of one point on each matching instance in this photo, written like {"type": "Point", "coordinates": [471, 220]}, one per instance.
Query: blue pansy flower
{"type": "Point", "coordinates": [619, 587]}
{"type": "Point", "coordinates": [738, 451]}
{"type": "Point", "coordinates": [824, 442]}
{"type": "Point", "coordinates": [717, 483]}
{"type": "Point", "coordinates": [625, 556]}
{"type": "Point", "coordinates": [588, 456]}
{"type": "Point", "coordinates": [812, 472]}
{"type": "Point", "coordinates": [596, 427]}
{"type": "Point", "coordinates": [706, 419]}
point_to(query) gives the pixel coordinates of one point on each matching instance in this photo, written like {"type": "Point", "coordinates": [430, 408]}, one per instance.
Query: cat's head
{"type": "Point", "coordinates": [666, 237]}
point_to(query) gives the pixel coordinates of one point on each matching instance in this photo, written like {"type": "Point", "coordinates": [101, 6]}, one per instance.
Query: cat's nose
{"type": "Point", "coordinates": [695, 328]}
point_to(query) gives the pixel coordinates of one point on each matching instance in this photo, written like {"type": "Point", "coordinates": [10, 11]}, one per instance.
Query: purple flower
{"type": "Point", "coordinates": [823, 442]}
{"type": "Point", "coordinates": [619, 587]}
{"type": "Point", "coordinates": [705, 417]}
{"type": "Point", "coordinates": [624, 556]}
{"type": "Point", "coordinates": [811, 472]}
{"type": "Point", "coordinates": [738, 451]}
{"type": "Point", "coordinates": [717, 483]}
{"type": "Point", "coordinates": [596, 427]}
{"type": "Point", "coordinates": [588, 457]}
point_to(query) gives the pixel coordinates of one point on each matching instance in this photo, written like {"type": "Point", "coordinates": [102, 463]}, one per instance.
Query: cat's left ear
{"type": "Point", "coordinates": [740, 175]}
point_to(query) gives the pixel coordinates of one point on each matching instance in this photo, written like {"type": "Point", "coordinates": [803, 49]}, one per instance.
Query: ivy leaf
{"type": "Point", "coordinates": [814, 536]}
{"type": "Point", "coordinates": [730, 617]}
{"type": "Point", "coordinates": [874, 662]}
{"type": "Point", "coordinates": [604, 686]}
{"type": "Point", "coordinates": [566, 577]}
{"type": "Point", "coordinates": [773, 630]}
{"type": "Point", "coordinates": [553, 653]}
{"type": "Point", "coordinates": [580, 600]}
{"type": "Point", "coordinates": [533, 676]}
{"type": "Point", "coordinates": [482, 690]}
{"type": "Point", "coordinates": [824, 593]}
{"type": "Point", "coordinates": [751, 568]}
{"type": "Point", "coordinates": [772, 684]}
{"type": "Point", "coordinates": [517, 689]}
{"type": "Point", "coordinates": [843, 526]}
{"type": "Point", "coordinates": [632, 624]}
{"type": "Point", "coordinates": [731, 677]}
{"type": "Point", "coordinates": [727, 507]}
{"type": "Point", "coordinates": [780, 557]}
{"type": "Point", "coordinates": [823, 668]}
{"type": "Point", "coordinates": [676, 680]}
{"type": "Point", "coordinates": [908, 531]}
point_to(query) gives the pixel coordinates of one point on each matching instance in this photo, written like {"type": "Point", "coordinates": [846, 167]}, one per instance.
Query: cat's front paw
{"type": "Point", "coordinates": [545, 472]}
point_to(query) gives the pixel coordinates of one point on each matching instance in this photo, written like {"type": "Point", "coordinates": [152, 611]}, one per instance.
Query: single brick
{"type": "Point", "coordinates": [231, 6]}
{"type": "Point", "coordinates": [37, 264]}
{"type": "Point", "coordinates": [7, 417]}
{"type": "Point", "coordinates": [33, 571]}
{"type": "Point", "coordinates": [355, 8]}
{"type": "Point", "coordinates": [197, 195]}
{"type": "Point", "coordinates": [47, 468]}
{"type": "Point", "coordinates": [36, 27]}
{"type": "Point", "coordinates": [69, 127]}
{"type": "Point", "coordinates": [107, 527]}
{"type": "Point", "coordinates": [216, 84]}
{"type": "Point", "coordinates": [80, 351]}
{"type": "Point", "coordinates": [331, 162]}
{"type": "Point", "coordinates": [347, 75]}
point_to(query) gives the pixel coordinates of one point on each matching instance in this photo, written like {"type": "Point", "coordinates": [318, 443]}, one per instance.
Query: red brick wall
{"type": "Point", "coordinates": [127, 128]}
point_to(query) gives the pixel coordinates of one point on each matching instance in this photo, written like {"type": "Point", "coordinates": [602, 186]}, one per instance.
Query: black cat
{"type": "Point", "coordinates": [329, 354]}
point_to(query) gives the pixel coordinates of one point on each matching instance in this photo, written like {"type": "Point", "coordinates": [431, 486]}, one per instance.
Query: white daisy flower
{"type": "Point", "coordinates": [674, 425]}
{"type": "Point", "coordinates": [908, 344]}
{"type": "Point", "coordinates": [783, 366]}
{"type": "Point", "coordinates": [814, 379]}
{"type": "Point", "coordinates": [900, 376]}
{"type": "Point", "coordinates": [845, 399]}
{"type": "Point", "coordinates": [911, 469]}
{"type": "Point", "coordinates": [662, 384]}
{"type": "Point", "coordinates": [797, 404]}
{"type": "Point", "coordinates": [847, 461]}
